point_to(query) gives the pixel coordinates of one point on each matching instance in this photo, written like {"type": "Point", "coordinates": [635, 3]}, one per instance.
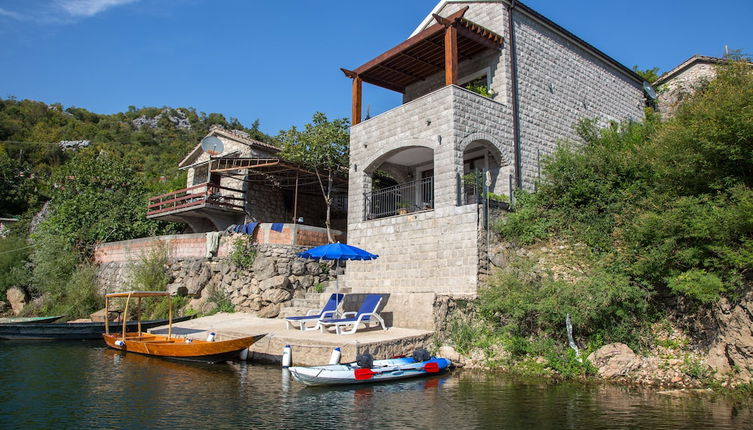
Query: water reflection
{"type": "Point", "coordinates": [77, 385]}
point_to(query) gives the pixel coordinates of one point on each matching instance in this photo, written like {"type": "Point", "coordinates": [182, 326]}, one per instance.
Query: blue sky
{"type": "Point", "coordinates": [279, 61]}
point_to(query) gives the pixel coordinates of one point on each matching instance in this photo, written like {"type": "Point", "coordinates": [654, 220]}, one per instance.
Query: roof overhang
{"type": "Point", "coordinates": [423, 54]}
{"type": "Point", "coordinates": [272, 171]}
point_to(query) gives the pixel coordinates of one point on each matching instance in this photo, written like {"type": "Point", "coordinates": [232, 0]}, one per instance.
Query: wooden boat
{"type": "Point", "coordinates": [72, 330]}
{"type": "Point", "coordinates": [168, 346]}
{"type": "Point", "coordinates": [29, 320]}
{"type": "Point", "coordinates": [382, 370]}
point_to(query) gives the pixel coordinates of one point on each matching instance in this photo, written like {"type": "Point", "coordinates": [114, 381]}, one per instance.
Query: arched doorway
{"type": "Point", "coordinates": [484, 170]}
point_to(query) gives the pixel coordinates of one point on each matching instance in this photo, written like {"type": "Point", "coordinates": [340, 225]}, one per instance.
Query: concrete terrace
{"type": "Point", "coordinates": [308, 348]}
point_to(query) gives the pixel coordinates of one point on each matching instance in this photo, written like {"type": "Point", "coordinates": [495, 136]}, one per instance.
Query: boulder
{"type": "Point", "coordinates": [276, 295]}
{"type": "Point", "coordinates": [449, 353]}
{"type": "Point", "coordinates": [264, 267]}
{"type": "Point", "coordinates": [614, 360]}
{"type": "Point", "coordinates": [195, 283]}
{"type": "Point", "coordinates": [283, 268]}
{"type": "Point", "coordinates": [279, 281]}
{"type": "Point", "coordinates": [17, 298]}
{"type": "Point", "coordinates": [731, 349]}
{"type": "Point", "coordinates": [306, 281]}
{"type": "Point", "coordinates": [255, 305]}
{"type": "Point", "coordinates": [99, 316]}
{"type": "Point", "coordinates": [298, 267]}
{"type": "Point", "coordinates": [312, 268]}
{"type": "Point", "coordinates": [270, 311]}
{"type": "Point", "coordinates": [208, 307]}
{"type": "Point", "coordinates": [177, 289]}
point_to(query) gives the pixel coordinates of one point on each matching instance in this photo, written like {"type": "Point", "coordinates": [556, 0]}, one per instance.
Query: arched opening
{"type": "Point", "coordinates": [400, 182]}
{"type": "Point", "coordinates": [484, 171]}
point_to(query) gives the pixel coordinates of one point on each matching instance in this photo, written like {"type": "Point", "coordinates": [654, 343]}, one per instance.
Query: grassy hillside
{"type": "Point", "coordinates": [97, 191]}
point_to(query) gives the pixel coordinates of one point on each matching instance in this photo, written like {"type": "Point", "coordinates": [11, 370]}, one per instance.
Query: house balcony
{"type": "Point", "coordinates": [400, 199]}
{"type": "Point", "coordinates": [199, 204]}
{"type": "Point", "coordinates": [442, 111]}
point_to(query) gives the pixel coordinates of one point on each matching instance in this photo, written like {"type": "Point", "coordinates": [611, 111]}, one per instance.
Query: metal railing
{"type": "Point", "coordinates": [400, 199]}
{"type": "Point", "coordinates": [198, 195]}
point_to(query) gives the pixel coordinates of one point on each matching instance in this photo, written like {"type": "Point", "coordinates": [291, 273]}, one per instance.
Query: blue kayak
{"type": "Point", "coordinates": [382, 370]}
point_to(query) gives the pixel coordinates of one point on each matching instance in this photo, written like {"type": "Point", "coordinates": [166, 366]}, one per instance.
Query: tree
{"type": "Point", "coordinates": [321, 146]}
{"type": "Point", "coordinates": [649, 75]}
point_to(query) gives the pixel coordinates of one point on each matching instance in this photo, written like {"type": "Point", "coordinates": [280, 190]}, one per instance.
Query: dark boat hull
{"type": "Point", "coordinates": [29, 320]}
{"type": "Point", "coordinates": [73, 331]}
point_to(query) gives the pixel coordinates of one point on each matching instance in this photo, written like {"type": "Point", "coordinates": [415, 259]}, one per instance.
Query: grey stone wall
{"type": "Point", "coordinates": [683, 84]}
{"type": "Point", "coordinates": [560, 84]}
{"type": "Point", "coordinates": [276, 277]}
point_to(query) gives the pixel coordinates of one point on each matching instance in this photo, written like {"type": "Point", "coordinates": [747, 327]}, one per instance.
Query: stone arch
{"type": "Point", "coordinates": [494, 143]}
{"type": "Point", "coordinates": [393, 148]}
{"type": "Point", "coordinates": [410, 162]}
{"type": "Point", "coordinates": [495, 160]}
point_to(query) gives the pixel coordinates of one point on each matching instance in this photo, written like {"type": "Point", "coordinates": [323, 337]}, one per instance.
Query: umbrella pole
{"type": "Point", "coordinates": [337, 287]}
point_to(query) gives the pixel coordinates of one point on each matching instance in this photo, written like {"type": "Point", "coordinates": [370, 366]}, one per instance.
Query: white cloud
{"type": "Point", "coordinates": [88, 8]}
{"type": "Point", "coordinates": [10, 14]}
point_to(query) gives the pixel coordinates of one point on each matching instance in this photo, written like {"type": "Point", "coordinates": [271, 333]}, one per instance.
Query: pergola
{"type": "Point", "coordinates": [439, 47]}
{"type": "Point", "coordinates": [279, 173]}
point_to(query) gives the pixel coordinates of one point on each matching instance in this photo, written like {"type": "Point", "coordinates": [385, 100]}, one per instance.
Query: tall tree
{"type": "Point", "coordinates": [321, 146]}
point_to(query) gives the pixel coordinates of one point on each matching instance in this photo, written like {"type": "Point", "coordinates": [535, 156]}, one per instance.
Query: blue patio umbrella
{"type": "Point", "coordinates": [337, 252]}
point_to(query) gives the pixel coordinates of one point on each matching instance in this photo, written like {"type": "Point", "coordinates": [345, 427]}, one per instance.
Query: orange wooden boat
{"type": "Point", "coordinates": [169, 346]}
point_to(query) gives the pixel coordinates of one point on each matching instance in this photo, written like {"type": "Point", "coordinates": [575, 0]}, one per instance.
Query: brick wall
{"type": "Point", "coordinates": [193, 246]}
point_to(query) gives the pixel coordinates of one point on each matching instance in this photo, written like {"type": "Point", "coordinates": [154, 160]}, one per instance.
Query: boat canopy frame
{"type": "Point", "coordinates": [138, 295]}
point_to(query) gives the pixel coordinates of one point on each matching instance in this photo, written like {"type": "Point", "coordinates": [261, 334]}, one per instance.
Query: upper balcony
{"type": "Point", "coordinates": [198, 198]}
{"type": "Point", "coordinates": [440, 47]}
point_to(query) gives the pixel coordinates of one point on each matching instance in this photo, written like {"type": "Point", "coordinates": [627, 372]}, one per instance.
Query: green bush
{"type": "Point", "coordinates": [77, 297]}
{"type": "Point", "coordinates": [150, 271]}
{"type": "Point", "coordinates": [222, 300]}
{"type": "Point", "coordinates": [522, 303]}
{"type": "Point", "coordinates": [14, 258]}
{"type": "Point", "coordinates": [698, 285]}
{"type": "Point", "coordinates": [243, 254]}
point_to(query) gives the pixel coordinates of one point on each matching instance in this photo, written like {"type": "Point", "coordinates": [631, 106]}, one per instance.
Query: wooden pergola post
{"type": "Point", "coordinates": [357, 95]}
{"type": "Point", "coordinates": [451, 55]}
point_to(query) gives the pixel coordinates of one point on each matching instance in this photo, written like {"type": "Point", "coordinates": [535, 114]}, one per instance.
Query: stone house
{"type": "Point", "coordinates": [673, 86]}
{"type": "Point", "coordinates": [244, 181]}
{"type": "Point", "coordinates": [488, 87]}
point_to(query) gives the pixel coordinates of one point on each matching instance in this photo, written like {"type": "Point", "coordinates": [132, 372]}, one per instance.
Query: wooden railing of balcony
{"type": "Point", "coordinates": [198, 195]}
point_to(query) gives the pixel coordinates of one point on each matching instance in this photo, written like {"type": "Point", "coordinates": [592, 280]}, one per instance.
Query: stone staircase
{"type": "Point", "coordinates": [311, 300]}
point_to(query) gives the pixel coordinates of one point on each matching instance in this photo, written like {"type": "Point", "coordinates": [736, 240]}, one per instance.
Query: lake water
{"type": "Point", "coordinates": [84, 385]}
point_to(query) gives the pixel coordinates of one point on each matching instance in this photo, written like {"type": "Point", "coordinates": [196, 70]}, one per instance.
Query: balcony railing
{"type": "Point", "coordinates": [400, 199]}
{"type": "Point", "coordinates": [198, 195]}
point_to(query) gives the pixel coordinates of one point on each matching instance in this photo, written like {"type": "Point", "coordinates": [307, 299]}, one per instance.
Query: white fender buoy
{"type": "Point", "coordinates": [335, 357]}
{"type": "Point", "coordinates": [119, 342]}
{"type": "Point", "coordinates": [244, 354]}
{"type": "Point", "coordinates": [286, 356]}
{"type": "Point", "coordinates": [210, 338]}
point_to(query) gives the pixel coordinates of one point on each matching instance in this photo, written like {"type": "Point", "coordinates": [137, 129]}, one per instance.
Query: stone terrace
{"type": "Point", "coordinates": [308, 348]}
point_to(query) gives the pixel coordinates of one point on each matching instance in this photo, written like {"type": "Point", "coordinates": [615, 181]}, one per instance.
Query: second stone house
{"type": "Point", "coordinates": [244, 180]}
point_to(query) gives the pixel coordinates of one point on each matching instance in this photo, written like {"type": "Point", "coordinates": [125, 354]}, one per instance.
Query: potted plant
{"type": "Point", "coordinates": [402, 207]}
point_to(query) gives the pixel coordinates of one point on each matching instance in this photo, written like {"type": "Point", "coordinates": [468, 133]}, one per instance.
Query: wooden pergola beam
{"type": "Point", "coordinates": [392, 69]}
{"type": "Point", "coordinates": [414, 58]}
{"type": "Point", "coordinates": [481, 40]}
{"type": "Point", "coordinates": [356, 96]}
{"type": "Point", "coordinates": [451, 56]}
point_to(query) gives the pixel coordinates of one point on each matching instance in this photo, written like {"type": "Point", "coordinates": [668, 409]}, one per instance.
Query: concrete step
{"type": "Point", "coordinates": [308, 303]}
{"type": "Point", "coordinates": [293, 311]}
